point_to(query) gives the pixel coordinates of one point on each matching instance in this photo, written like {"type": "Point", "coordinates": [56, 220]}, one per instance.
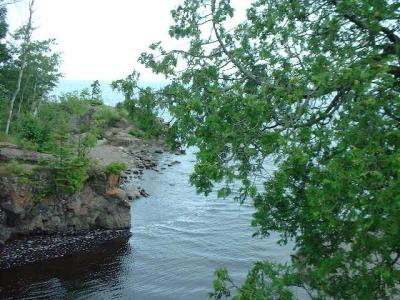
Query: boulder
{"type": "Point", "coordinates": [122, 123]}
{"type": "Point", "coordinates": [133, 192]}
{"type": "Point", "coordinates": [79, 123]}
{"type": "Point", "coordinates": [13, 152]}
{"type": "Point", "coordinates": [120, 138]}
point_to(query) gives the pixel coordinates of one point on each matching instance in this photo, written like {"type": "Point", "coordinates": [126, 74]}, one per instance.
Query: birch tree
{"type": "Point", "coordinates": [25, 34]}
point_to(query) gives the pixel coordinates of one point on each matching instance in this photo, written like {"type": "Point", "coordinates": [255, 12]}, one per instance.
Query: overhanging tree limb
{"type": "Point", "coordinates": [226, 51]}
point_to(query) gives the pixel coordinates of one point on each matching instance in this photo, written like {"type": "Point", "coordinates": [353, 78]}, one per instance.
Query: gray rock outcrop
{"type": "Point", "coordinates": [99, 205]}
{"type": "Point", "coordinates": [11, 152]}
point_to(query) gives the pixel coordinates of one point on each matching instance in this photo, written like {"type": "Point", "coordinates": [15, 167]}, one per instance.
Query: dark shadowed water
{"type": "Point", "coordinates": [179, 239]}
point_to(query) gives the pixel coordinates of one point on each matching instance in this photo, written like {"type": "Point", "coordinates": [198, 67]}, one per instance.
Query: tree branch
{"type": "Point", "coordinates": [390, 34]}
{"type": "Point", "coordinates": [227, 53]}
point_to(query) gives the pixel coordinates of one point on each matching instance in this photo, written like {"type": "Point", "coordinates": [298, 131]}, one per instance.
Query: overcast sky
{"type": "Point", "coordinates": [100, 39]}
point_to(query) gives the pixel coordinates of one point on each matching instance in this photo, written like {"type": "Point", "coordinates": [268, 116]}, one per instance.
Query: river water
{"type": "Point", "coordinates": [178, 239]}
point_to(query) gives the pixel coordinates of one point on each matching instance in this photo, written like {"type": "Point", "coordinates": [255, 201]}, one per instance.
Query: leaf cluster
{"type": "Point", "coordinates": [298, 104]}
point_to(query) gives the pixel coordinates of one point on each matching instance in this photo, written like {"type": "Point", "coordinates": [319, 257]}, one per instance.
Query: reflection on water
{"type": "Point", "coordinates": [68, 277]}
{"type": "Point", "coordinates": [178, 239]}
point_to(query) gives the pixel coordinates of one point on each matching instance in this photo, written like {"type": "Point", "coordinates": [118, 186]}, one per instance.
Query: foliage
{"type": "Point", "coordinates": [41, 75]}
{"type": "Point", "coordinates": [96, 97]}
{"type": "Point", "coordinates": [50, 131]}
{"type": "Point", "coordinates": [75, 103]}
{"type": "Point", "coordinates": [264, 281]}
{"type": "Point", "coordinates": [71, 173]}
{"type": "Point", "coordinates": [72, 163]}
{"type": "Point", "coordinates": [14, 167]}
{"type": "Point", "coordinates": [141, 105]}
{"type": "Point", "coordinates": [136, 132]}
{"type": "Point", "coordinates": [41, 193]}
{"type": "Point", "coordinates": [4, 52]}
{"type": "Point", "coordinates": [106, 116]}
{"type": "Point", "coordinates": [172, 137]}
{"type": "Point", "coordinates": [127, 86]}
{"type": "Point", "coordinates": [89, 140]}
{"type": "Point", "coordinates": [143, 113]}
{"type": "Point", "coordinates": [35, 132]}
{"type": "Point", "coordinates": [145, 116]}
{"type": "Point", "coordinates": [313, 85]}
{"type": "Point", "coordinates": [116, 167]}
{"type": "Point", "coordinates": [5, 137]}
{"type": "Point", "coordinates": [29, 70]}
{"type": "Point", "coordinates": [23, 48]}
{"type": "Point", "coordinates": [38, 132]}
{"type": "Point", "coordinates": [4, 58]}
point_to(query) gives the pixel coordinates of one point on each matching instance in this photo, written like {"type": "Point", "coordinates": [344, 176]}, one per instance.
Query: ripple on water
{"type": "Point", "coordinates": [178, 239]}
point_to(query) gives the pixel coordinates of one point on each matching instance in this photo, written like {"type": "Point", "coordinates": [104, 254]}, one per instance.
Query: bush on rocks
{"type": "Point", "coordinates": [116, 167]}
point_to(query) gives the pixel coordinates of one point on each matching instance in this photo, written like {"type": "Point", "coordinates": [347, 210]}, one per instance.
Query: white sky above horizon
{"type": "Point", "coordinates": [101, 39]}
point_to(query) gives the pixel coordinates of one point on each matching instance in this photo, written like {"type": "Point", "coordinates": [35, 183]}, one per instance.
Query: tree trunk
{"type": "Point", "coordinates": [21, 72]}
{"type": "Point", "coordinates": [37, 106]}
{"type": "Point", "coordinates": [34, 107]}
{"type": "Point", "coordinates": [25, 49]}
{"type": "Point", "coordinates": [21, 101]}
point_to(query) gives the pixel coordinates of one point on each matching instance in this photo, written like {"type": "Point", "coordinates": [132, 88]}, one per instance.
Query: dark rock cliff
{"type": "Point", "coordinates": [99, 205]}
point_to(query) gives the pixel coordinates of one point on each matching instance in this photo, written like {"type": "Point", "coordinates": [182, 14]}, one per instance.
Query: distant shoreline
{"type": "Point", "coordinates": [110, 97]}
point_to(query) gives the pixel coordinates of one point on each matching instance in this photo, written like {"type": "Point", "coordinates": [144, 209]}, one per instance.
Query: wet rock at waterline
{"type": "Point", "coordinates": [34, 227]}
{"type": "Point", "coordinates": [43, 247]}
{"type": "Point", "coordinates": [134, 192]}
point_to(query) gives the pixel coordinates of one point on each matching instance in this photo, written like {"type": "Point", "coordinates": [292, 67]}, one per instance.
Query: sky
{"type": "Point", "coordinates": [101, 39]}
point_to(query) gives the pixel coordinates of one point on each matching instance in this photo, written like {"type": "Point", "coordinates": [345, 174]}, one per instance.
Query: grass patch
{"type": "Point", "coordinates": [107, 116]}
{"type": "Point", "coordinates": [116, 167]}
{"type": "Point", "coordinates": [136, 133]}
{"type": "Point", "coordinates": [16, 168]}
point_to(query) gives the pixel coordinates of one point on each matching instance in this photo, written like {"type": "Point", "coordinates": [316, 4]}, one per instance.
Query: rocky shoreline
{"type": "Point", "coordinates": [50, 242]}
{"type": "Point", "coordinates": [33, 249]}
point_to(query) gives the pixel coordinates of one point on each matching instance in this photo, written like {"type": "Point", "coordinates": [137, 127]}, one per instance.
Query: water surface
{"type": "Point", "coordinates": [178, 239]}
